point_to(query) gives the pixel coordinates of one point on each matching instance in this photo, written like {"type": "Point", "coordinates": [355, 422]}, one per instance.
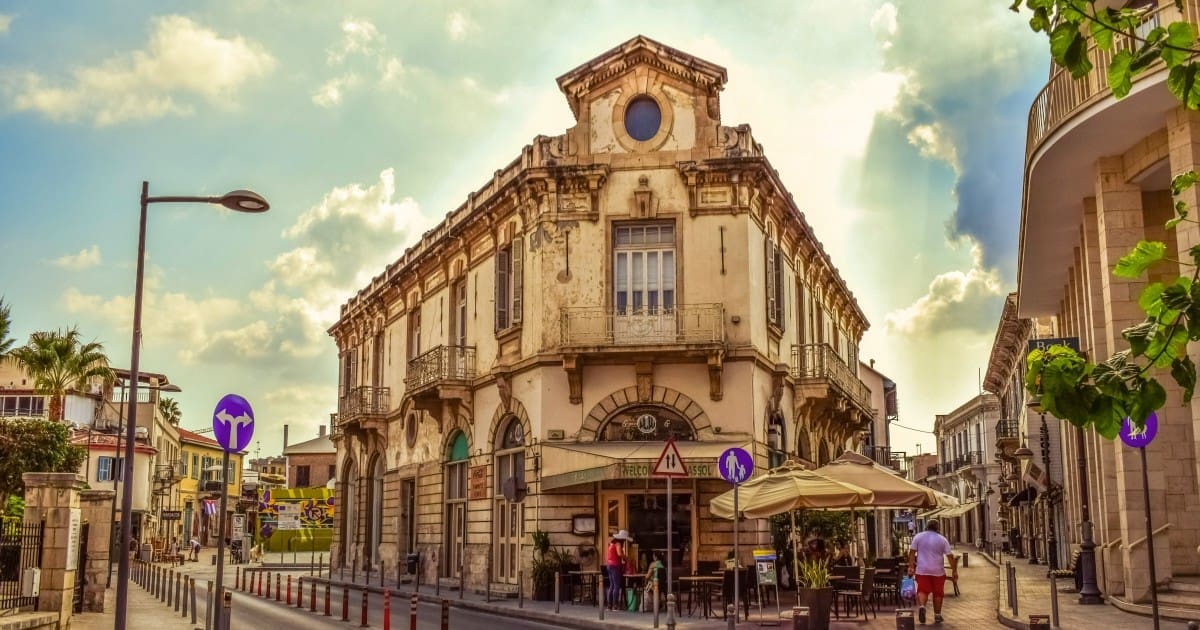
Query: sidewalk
{"type": "Point", "coordinates": [975, 608]}
{"type": "Point", "coordinates": [1033, 597]}
{"type": "Point", "coordinates": [144, 612]}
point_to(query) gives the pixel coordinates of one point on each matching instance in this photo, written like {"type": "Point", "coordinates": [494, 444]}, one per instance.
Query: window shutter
{"type": "Point", "coordinates": [780, 296]}
{"type": "Point", "coordinates": [502, 262]}
{"type": "Point", "coordinates": [770, 258]}
{"type": "Point", "coordinates": [518, 278]}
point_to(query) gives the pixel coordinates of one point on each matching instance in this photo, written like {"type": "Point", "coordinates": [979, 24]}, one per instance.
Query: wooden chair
{"type": "Point", "coordinates": [863, 594]}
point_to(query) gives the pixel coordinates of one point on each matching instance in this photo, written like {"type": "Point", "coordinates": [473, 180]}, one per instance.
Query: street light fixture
{"type": "Point", "coordinates": [237, 200]}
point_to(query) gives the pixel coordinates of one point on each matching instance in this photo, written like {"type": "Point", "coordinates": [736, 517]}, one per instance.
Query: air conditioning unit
{"type": "Point", "coordinates": [141, 433]}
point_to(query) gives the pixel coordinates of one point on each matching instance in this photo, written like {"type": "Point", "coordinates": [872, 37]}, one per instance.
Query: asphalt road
{"type": "Point", "coordinates": [252, 612]}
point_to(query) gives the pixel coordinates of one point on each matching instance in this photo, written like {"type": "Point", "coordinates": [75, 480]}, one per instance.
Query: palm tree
{"type": "Point", "coordinates": [58, 361]}
{"type": "Point", "coordinates": [170, 410]}
{"type": "Point", "coordinates": [6, 342]}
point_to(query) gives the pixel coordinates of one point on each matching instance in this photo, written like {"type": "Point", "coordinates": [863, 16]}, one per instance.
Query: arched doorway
{"type": "Point", "coordinates": [509, 516]}
{"type": "Point", "coordinates": [375, 505]}
{"type": "Point", "coordinates": [803, 445]}
{"type": "Point", "coordinates": [454, 483]}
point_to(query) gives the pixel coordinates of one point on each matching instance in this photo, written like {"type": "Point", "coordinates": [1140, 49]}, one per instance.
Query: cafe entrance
{"type": "Point", "coordinates": [643, 513]}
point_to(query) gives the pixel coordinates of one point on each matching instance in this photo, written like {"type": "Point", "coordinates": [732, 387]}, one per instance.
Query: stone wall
{"type": "Point", "coordinates": [96, 507]}
{"type": "Point", "coordinates": [53, 500]}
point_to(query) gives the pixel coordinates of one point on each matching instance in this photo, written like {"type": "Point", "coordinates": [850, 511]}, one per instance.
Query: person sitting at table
{"type": "Point", "coordinates": [652, 575]}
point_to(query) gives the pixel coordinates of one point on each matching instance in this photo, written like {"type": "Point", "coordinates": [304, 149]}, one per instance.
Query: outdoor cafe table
{"type": "Point", "coordinates": [704, 583]}
{"type": "Point", "coordinates": [587, 584]}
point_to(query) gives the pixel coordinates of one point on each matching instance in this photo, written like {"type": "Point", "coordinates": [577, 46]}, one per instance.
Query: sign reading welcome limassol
{"type": "Point", "coordinates": [233, 423]}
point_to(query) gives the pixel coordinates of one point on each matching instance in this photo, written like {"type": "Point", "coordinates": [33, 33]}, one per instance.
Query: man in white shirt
{"type": "Point", "coordinates": [925, 562]}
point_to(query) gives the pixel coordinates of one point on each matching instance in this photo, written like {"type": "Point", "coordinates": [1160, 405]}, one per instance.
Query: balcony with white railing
{"type": "Point", "coordinates": [1063, 95]}
{"type": "Point", "coordinates": [684, 325]}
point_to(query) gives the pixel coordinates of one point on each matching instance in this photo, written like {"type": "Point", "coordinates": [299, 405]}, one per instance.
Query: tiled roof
{"type": "Point", "coordinates": [196, 438]}
{"type": "Point", "coordinates": [314, 446]}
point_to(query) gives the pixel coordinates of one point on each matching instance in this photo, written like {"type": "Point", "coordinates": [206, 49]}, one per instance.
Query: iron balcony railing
{"type": "Point", "coordinates": [884, 456]}
{"type": "Point", "coordinates": [683, 324]}
{"type": "Point", "coordinates": [820, 361]}
{"type": "Point", "coordinates": [364, 401]}
{"type": "Point", "coordinates": [1065, 95]}
{"type": "Point", "coordinates": [443, 363]}
{"type": "Point", "coordinates": [972, 458]}
{"type": "Point", "coordinates": [1007, 429]}
{"type": "Point", "coordinates": [931, 471]}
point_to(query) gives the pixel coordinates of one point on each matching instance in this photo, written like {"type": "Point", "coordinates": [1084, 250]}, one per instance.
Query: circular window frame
{"type": "Point", "coordinates": [666, 121]}
{"type": "Point", "coordinates": [411, 429]}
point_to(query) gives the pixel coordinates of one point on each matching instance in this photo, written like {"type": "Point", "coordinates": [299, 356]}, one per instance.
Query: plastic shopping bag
{"type": "Point", "coordinates": [908, 588]}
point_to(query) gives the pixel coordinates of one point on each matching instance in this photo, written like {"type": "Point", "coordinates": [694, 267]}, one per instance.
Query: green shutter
{"type": "Point", "coordinates": [458, 449]}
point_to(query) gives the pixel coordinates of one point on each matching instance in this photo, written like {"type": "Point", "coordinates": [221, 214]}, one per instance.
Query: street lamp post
{"type": "Point", "coordinates": [1051, 536]}
{"type": "Point", "coordinates": [1089, 593]}
{"type": "Point", "coordinates": [1024, 454]}
{"type": "Point", "coordinates": [238, 200]}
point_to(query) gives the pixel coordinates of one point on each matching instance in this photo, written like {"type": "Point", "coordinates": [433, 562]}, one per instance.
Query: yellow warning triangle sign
{"type": "Point", "coordinates": [670, 463]}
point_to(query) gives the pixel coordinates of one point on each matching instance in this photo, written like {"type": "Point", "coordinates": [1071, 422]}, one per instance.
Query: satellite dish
{"type": "Point", "coordinates": [514, 490]}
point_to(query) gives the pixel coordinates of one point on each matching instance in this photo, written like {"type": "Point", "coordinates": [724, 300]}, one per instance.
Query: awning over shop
{"type": "Point", "coordinates": [955, 512]}
{"type": "Point", "coordinates": [573, 464]}
{"type": "Point", "coordinates": [1024, 496]}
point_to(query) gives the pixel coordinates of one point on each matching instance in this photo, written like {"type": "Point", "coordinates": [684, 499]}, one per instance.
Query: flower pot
{"type": "Point", "coordinates": [820, 604]}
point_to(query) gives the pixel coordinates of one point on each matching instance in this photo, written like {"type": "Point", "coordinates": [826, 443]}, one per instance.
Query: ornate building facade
{"type": "Point", "coordinates": [644, 275]}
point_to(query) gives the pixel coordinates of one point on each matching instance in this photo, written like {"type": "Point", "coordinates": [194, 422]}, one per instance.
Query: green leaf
{"type": "Point", "coordinates": [1150, 299]}
{"type": "Point", "coordinates": [1184, 373]}
{"type": "Point", "coordinates": [1068, 47]}
{"type": "Point", "coordinates": [1178, 296]}
{"type": "Point", "coordinates": [1181, 213]}
{"type": "Point", "coordinates": [1153, 396]}
{"type": "Point", "coordinates": [1040, 20]}
{"type": "Point", "coordinates": [1119, 77]}
{"type": "Point", "coordinates": [1164, 349]}
{"type": "Point", "coordinates": [1140, 336]}
{"type": "Point", "coordinates": [1177, 47]}
{"type": "Point", "coordinates": [1181, 81]}
{"type": "Point", "coordinates": [1016, 6]}
{"type": "Point", "coordinates": [1102, 32]}
{"type": "Point", "coordinates": [1182, 182]}
{"type": "Point", "coordinates": [1136, 262]}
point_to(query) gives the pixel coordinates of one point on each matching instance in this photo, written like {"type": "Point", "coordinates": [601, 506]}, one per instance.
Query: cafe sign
{"type": "Point", "coordinates": [477, 485]}
{"type": "Point", "coordinates": [637, 469]}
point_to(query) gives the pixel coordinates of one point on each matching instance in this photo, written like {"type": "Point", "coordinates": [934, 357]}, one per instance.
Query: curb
{"type": "Point", "coordinates": [561, 621]}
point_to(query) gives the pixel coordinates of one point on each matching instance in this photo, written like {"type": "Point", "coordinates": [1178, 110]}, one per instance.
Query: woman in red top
{"type": "Point", "coordinates": [614, 560]}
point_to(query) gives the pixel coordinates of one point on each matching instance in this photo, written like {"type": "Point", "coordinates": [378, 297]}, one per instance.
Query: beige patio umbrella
{"type": "Point", "coordinates": [889, 489]}
{"type": "Point", "coordinates": [789, 488]}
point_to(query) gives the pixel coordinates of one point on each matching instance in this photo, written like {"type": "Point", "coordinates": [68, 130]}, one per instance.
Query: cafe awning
{"type": "Point", "coordinates": [1024, 496]}
{"type": "Point", "coordinates": [572, 464]}
{"type": "Point", "coordinates": [955, 512]}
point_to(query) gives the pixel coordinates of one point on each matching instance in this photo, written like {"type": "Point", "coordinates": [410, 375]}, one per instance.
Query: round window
{"type": "Point", "coordinates": [410, 430]}
{"type": "Point", "coordinates": [642, 118]}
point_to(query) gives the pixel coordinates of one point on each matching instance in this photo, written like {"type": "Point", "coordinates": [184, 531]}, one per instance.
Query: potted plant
{"type": "Point", "coordinates": [546, 563]}
{"type": "Point", "coordinates": [814, 591]}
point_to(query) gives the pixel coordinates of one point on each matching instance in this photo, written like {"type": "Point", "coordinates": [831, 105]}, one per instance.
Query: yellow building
{"type": "Point", "coordinates": [643, 275]}
{"type": "Point", "coordinates": [200, 488]}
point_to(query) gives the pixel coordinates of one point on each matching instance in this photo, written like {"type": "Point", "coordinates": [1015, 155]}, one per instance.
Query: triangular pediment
{"type": "Point", "coordinates": [640, 50]}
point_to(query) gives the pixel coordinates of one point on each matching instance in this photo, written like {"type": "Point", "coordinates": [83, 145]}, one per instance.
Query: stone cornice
{"type": "Point", "coordinates": [1007, 347]}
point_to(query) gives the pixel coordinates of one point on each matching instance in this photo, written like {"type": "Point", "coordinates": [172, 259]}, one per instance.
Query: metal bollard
{"type": "Point", "coordinates": [259, 580]}
{"type": "Point", "coordinates": [364, 610]}
{"type": "Point", "coordinates": [437, 588]}
{"type": "Point", "coordinates": [1053, 599]}
{"type": "Point", "coordinates": [160, 589]}
{"type": "Point", "coordinates": [445, 614]}
{"type": "Point", "coordinates": [177, 587]}
{"type": "Point", "coordinates": [655, 595]}
{"type": "Point", "coordinates": [731, 616]}
{"type": "Point", "coordinates": [600, 601]}
{"type": "Point", "coordinates": [418, 577]}
{"type": "Point", "coordinates": [326, 600]}
{"type": "Point", "coordinates": [193, 598]}
{"type": "Point", "coordinates": [966, 555]}
{"type": "Point", "coordinates": [289, 591]}
{"type": "Point", "coordinates": [462, 580]}
{"type": "Point", "coordinates": [671, 611]}
{"type": "Point", "coordinates": [520, 589]}
{"type": "Point", "coordinates": [412, 613]}
{"type": "Point", "coordinates": [171, 579]}
{"type": "Point", "coordinates": [299, 592]}
{"type": "Point", "coordinates": [184, 597]}
{"type": "Point", "coordinates": [387, 609]}
{"type": "Point", "coordinates": [226, 610]}
{"type": "Point", "coordinates": [1039, 622]}
{"type": "Point", "coordinates": [268, 585]}
{"type": "Point", "coordinates": [345, 604]}
{"type": "Point", "coordinates": [800, 618]}
{"type": "Point", "coordinates": [277, 589]}
{"type": "Point", "coordinates": [208, 608]}
{"type": "Point", "coordinates": [557, 587]}
{"type": "Point", "coordinates": [237, 577]}
{"type": "Point", "coordinates": [905, 620]}
{"type": "Point", "coordinates": [312, 598]}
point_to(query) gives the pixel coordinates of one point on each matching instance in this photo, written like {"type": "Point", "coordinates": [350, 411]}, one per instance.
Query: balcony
{"type": "Point", "coordinates": [1063, 96]}
{"type": "Point", "coordinates": [439, 375]}
{"type": "Point", "coordinates": [363, 405]}
{"type": "Point", "coordinates": [885, 456]}
{"type": "Point", "coordinates": [826, 388]}
{"type": "Point", "coordinates": [931, 471]}
{"type": "Point", "coordinates": [1007, 436]}
{"type": "Point", "coordinates": [611, 335]}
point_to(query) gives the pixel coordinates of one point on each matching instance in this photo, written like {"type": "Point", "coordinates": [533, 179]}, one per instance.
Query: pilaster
{"type": "Point", "coordinates": [53, 500]}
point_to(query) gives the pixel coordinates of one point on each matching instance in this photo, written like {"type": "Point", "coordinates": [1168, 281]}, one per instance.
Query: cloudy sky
{"type": "Point", "coordinates": [897, 124]}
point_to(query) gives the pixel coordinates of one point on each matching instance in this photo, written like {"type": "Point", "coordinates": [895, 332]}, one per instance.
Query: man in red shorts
{"type": "Point", "coordinates": [925, 561]}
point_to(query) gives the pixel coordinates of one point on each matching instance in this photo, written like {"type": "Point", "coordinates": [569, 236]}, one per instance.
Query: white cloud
{"type": "Point", "coordinates": [883, 24]}
{"type": "Point", "coordinates": [5, 22]}
{"type": "Point", "coordinates": [363, 58]}
{"type": "Point", "coordinates": [933, 141]}
{"type": "Point", "coordinates": [183, 62]}
{"type": "Point", "coordinates": [330, 93]}
{"type": "Point", "coordinates": [458, 24]}
{"type": "Point", "coordinates": [86, 259]}
{"type": "Point", "coordinates": [954, 300]}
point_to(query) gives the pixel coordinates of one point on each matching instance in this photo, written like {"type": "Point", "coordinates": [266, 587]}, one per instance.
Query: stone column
{"type": "Point", "coordinates": [96, 506]}
{"type": "Point", "coordinates": [53, 500]}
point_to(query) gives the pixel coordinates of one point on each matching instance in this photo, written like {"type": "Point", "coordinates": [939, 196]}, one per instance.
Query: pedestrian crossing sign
{"type": "Point", "coordinates": [670, 463]}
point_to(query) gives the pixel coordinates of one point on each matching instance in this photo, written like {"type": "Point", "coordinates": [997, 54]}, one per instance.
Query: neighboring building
{"type": "Point", "coordinates": [921, 467]}
{"type": "Point", "coordinates": [966, 468]}
{"type": "Point", "coordinates": [1098, 180]}
{"type": "Point", "coordinates": [546, 337]}
{"type": "Point", "coordinates": [877, 446]}
{"type": "Point", "coordinates": [18, 398]}
{"type": "Point", "coordinates": [1030, 519]}
{"type": "Point", "coordinates": [105, 470]}
{"type": "Point", "coordinates": [268, 470]}
{"type": "Point", "coordinates": [310, 464]}
{"type": "Point", "coordinates": [200, 489]}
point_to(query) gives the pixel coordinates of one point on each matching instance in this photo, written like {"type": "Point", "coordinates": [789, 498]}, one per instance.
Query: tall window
{"type": "Point", "coordinates": [510, 455]}
{"type": "Point", "coordinates": [801, 312]}
{"type": "Point", "coordinates": [458, 313]}
{"type": "Point", "coordinates": [510, 284]}
{"type": "Point", "coordinates": [302, 477]}
{"type": "Point", "coordinates": [774, 284]}
{"type": "Point", "coordinates": [509, 517]}
{"type": "Point", "coordinates": [195, 466]}
{"type": "Point", "coordinates": [348, 376]}
{"type": "Point", "coordinates": [455, 486]}
{"type": "Point", "coordinates": [644, 268]}
{"type": "Point", "coordinates": [377, 360]}
{"type": "Point", "coordinates": [414, 333]}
